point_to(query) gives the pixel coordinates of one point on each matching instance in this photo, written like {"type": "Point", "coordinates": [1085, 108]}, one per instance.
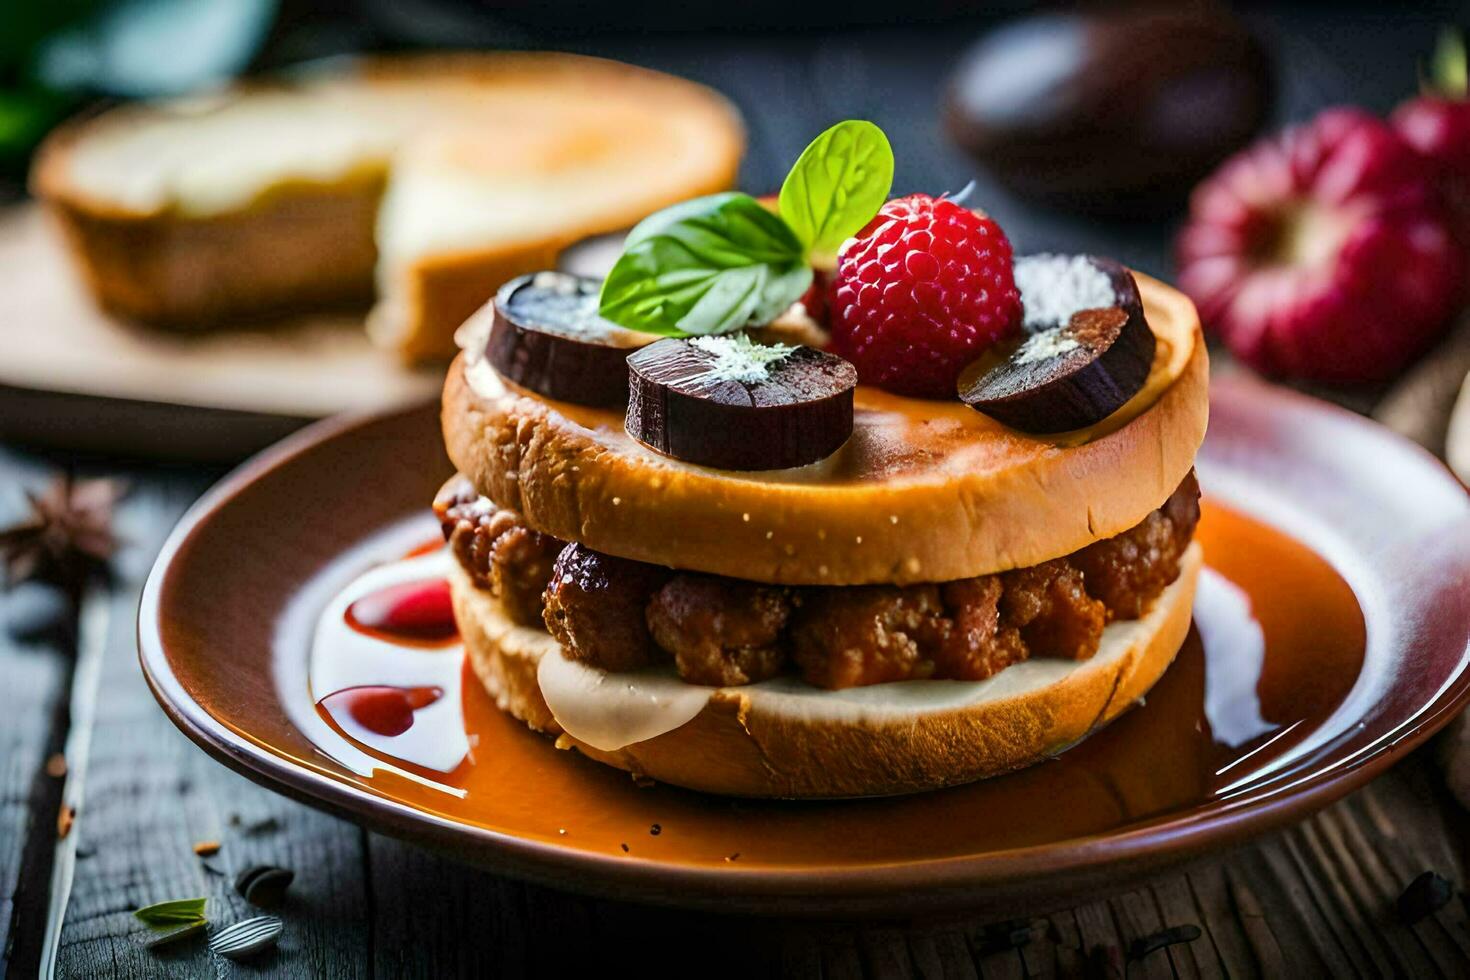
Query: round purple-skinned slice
{"type": "Point", "coordinates": [545, 335]}
{"type": "Point", "coordinates": [1085, 351]}
{"type": "Point", "coordinates": [731, 403]}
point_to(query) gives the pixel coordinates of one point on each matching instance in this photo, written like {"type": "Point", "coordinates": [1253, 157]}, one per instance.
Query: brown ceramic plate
{"type": "Point", "coordinates": [1330, 638]}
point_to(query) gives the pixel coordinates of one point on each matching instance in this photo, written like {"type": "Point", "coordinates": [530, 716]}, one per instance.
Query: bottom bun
{"type": "Point", "coordinates": [783, 738]}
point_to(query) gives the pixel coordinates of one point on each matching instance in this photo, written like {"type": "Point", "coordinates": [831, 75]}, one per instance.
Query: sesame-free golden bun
{"type": "Point", "coordinates": [923, 491]}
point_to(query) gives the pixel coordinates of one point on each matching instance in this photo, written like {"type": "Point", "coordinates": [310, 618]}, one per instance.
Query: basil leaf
{"type": "Point", "coordinates": [706, 266]}
{"type": "Point", "coordinates": [165, 915]}
{"type": "Point", "coordinates": [838, 184]}
{"type": "Point", "coordinates": [656, 223]}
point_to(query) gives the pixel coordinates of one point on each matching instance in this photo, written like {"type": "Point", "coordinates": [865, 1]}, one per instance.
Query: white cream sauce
{"type": "Point", "coordinates": [343, 657]}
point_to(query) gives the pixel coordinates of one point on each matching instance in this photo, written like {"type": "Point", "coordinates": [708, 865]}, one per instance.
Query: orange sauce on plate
{"type": "Point", "coordinates": [1277, 644]}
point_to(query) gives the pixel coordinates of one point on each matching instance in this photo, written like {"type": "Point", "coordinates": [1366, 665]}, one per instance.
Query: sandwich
{"type": "Point", "coordinates": [827, 496]}
{"type": "Point", "coordinates": [421, 182]}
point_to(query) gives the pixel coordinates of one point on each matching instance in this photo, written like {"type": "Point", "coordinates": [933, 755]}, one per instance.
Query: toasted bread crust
{"type": "Point", "coordinates": [965, 498]}
{"type": "Point", "coordinates": [306, 244]}
{"type": "Point", "coordinates": [746, 743]}
{"type": "Point", "coordinates": [304, 248]}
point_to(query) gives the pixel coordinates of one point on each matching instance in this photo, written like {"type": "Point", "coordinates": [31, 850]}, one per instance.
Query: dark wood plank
{"type": "Point", "coordinates": [35, 663]}
{"type": "Point", "coordinates": [799, 956]}
{"type": "Point", "coordinates": [885, 953]}
{"type": "Point", "coordinates": [434, 918]}
{"type": "Point", "coordinates": [942, 954]}
{"type": "Point", "coordinates": [1271, 876]}
{"type": "Point", "coordinates": [151, 795]}
{"type": "Point", "coordinates": [1224, 928]}
{"type": "Point", "coordinates": [1270, 958]}
{"type": "Point", "coordinates": [1176, 906]}
{"type": "Point", "coordinates": [1137, 917]}
{"type": "Point", "coordinates": [1395, 857]}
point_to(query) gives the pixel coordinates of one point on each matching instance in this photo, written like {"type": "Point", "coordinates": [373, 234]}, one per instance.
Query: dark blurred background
{"type": "Point", "coordinates": [790, 66]}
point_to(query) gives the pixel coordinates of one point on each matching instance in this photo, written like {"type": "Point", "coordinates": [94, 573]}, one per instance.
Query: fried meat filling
{"type": "Point", "coordinates": [618, 614]}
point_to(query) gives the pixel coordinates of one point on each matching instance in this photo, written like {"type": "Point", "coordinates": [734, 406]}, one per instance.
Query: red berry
{"type": "Point", "coordinates": [921, 292]}
{"type": "Point", "coordinates": [1439, 129]}
{"type": "Point", "coordinates": [817, 300]}
{"type": "Point", "coordinates": [1324, 253]}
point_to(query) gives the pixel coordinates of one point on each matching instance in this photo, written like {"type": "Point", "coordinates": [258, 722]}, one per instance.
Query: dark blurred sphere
{"type": "Point", "coordinates": [1116, 113]}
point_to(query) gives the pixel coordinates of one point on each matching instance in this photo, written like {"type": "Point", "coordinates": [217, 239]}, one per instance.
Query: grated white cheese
{"type": "Point", "coordinates": [1046, 345]}
{"type": "Point", "coordinates": [560, 283]}
{"type": "Point", "coordinates": [739, 358]}
{"type": "Point", "coordinates": [1053, 287]}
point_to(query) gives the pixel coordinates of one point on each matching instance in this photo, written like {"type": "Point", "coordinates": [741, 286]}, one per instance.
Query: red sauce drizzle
{"type": "Point", "coordinates": [383, 710]}
{"type": "Point", "coordinates": [413, 612]}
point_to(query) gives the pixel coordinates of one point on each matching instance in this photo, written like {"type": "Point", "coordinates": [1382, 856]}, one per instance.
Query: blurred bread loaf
{"type": "Point", "coordinates": [425, 181]}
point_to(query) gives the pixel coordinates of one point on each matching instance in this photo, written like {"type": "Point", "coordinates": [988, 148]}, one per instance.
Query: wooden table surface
{"type": "Point", "coordinates": [1316, 899]}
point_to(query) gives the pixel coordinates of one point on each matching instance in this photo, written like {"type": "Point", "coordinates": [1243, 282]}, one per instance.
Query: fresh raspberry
{"type": "Point", "coordinates": [921, 292]}
{"type": "Point", "coordinates": [1324, 253]}
{"type": "Point", "coordinates": [817, 300]}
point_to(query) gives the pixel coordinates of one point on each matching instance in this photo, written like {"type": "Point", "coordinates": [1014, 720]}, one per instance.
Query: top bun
{"type": "Point", "coordinates": [924, 491]}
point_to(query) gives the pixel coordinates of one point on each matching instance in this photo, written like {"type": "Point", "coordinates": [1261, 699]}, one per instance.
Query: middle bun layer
{"type": "Point", "coordinates": [922, 492]}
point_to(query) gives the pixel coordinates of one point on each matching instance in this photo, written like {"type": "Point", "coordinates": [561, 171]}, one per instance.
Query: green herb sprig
{"type": "Point", "coordinates": [723, 262]}
{"type": "Point", "coordinates": [169, 922]}
{"type": "Point", "coordinates": [165, 915]}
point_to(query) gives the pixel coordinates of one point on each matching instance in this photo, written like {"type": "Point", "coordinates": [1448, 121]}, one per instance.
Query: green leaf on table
{"type": "Point", "coordinates": [706, 266]}
{"type": "Point", "coordinates": [838, 183]}
{"type": "Point", "coordinates": [164, 935]}
{"type": "Point", "coordinates": [168, 915]}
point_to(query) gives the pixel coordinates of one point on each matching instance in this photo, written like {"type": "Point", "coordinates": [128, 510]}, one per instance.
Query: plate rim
{"type": "Point", "coordinates": [1108, 859]}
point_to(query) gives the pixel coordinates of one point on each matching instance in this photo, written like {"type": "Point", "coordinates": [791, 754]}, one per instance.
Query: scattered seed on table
{"type": "Point", "coordinates": [247, 938]}
{"type": "Point", "coordinates": [268, 825]}
{"type": "Point", "coordinates": [1172, 936]}
{"type": "Point", "coordinates": [1426, 895]}
{"type": "Point", "coordinates": [264, 884]}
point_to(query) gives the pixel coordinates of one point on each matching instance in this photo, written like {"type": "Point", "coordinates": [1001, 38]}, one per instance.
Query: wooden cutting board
{"type": "Point", "coordinates": [74, 378]}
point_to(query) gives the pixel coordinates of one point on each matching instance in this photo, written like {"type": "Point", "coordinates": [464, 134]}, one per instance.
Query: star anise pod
{"type": "Point", "coordinates": [67, 536]}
